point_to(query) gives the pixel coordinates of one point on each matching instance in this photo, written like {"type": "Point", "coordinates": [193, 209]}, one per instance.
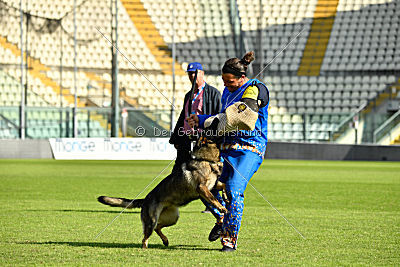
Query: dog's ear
{"type": "Point", "coordinates": [216, 139]}
{"type": "Point", "coordinates": [205, 140]}
{"type": "Point", "coordinates": [201, 140]}
{"type": "Point", "coordinates": [211, 136]}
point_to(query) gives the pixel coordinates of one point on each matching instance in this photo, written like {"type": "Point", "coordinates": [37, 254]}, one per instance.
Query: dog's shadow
{"type": "Point", "coordinates": [86, 211]}
{"type": "Point", "coordinates": [121, 245]}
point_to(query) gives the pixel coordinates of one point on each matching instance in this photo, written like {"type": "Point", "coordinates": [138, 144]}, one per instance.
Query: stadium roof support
{"type": "Point", "coordinates": [114, 69]}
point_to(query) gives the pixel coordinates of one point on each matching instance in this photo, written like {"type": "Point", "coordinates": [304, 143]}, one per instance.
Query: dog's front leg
{"type": "Point", "coordinates": [203, 191]}
{"type": "Point", "coordinates": [222, 187]}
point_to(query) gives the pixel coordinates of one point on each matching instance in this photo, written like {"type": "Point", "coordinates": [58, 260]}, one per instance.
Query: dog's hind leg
{"type": "Point", "coordinates": [148, 227]}
{"type": "Point", "coordinates": [203, 191]}
{"type": "Point", "coordinates": [162, 236]}
{"type": "Point", "coordinates": [149, 216]}
{"type": "Point", "coordinates": [168, 217]}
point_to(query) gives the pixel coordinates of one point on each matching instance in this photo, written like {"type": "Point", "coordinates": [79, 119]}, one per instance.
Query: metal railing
{"type": "Point", "coordinates": [386, 128]}
{"type": "Point", "coordinates": [53, 122]}
{"type": "Point", "coordinates": [345, 123]}
{"type": "Point", "coordinates": [47, 122]}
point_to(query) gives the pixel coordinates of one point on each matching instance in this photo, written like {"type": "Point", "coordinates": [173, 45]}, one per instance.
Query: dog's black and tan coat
{"type": "Point", "coordinates": [193, 180]}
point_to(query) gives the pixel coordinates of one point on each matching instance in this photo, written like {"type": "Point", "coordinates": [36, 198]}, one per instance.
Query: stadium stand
{"type": "Point", "coordinates": [324, 83]}
{"type": "Point", "coordinates": [281, 24]}
{"type": "Point", "coordinates": [140, 16]}
{"type": "Point", "coordinates": [203, 31]}
{"type": "Point", "coordinates": [340, 59]}
{"type": "Point", "coordinates": [364, 37]}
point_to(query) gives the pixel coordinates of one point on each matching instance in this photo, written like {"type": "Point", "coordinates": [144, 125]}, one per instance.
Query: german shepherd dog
{"type": "Point", "coordinates": [195, 179]}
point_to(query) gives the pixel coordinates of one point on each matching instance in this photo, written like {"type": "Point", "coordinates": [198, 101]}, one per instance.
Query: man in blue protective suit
{"type": "Point", "coordinates": [242, 125]}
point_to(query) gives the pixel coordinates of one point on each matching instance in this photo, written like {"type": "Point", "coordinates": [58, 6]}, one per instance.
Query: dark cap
{"type": "Point", "coordinates": [194, 66]}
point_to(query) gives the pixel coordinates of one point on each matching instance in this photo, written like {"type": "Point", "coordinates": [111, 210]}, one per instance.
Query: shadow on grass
{"type": "Point", "coordinates": [88, 211]}
{"type": "Point", "coordinates": [136, 211]}
{"type": "Point", "coordinates": [120, 245]}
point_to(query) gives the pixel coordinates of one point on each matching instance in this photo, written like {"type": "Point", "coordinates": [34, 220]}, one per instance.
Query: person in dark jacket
{"type": "Point", "coordinates": [206, 100]}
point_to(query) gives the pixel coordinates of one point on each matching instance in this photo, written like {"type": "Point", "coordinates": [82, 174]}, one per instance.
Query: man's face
{"type": "Point", "coordinates": [232, 82]}
{"type": "Point", "coordinates": [200, 77]}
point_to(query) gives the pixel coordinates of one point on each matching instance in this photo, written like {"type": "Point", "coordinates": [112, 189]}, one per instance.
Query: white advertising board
{"type": "Point", "coordinates": [112, 148]}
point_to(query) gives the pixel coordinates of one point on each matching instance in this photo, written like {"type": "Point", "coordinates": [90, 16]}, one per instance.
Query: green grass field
{"type": "Point", "coordinates": [349, 213]}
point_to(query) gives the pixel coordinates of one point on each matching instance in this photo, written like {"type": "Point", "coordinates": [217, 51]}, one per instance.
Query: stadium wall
{"type": "Point", "coordinates": [25, 149]}
{"type": "Point", "coordinates": [40, 149]}
{"type": "Point", "coordinates": [307, 151]}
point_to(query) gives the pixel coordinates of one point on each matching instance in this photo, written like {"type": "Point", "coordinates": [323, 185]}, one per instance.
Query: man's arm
{"type": "Point", "coordinates": [216, 101]}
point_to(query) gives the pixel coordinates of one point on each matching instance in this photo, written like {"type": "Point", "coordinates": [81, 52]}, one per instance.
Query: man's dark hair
{"type": "Point", "coordinates": [238, 67]}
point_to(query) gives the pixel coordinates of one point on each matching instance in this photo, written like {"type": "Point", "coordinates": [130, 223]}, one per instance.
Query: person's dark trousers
{"type": "Point", "coordinates": [182, 155]}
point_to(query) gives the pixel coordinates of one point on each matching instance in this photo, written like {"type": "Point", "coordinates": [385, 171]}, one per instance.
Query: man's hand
{"type": "Point", "coordinates": [193, 120]}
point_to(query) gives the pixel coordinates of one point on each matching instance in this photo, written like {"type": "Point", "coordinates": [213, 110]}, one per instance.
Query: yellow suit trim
{"type": "Point", "coordinates": [251, 92]}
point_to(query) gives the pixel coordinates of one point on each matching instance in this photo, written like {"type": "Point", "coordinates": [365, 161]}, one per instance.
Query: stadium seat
{"type": "Point", "coordinates": [363, 38]}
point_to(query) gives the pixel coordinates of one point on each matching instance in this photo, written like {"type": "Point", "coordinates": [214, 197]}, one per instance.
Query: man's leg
{"type": "Point", "coordinates": [182, 155]}
{"type": "Point", "coordinates": [245, 165]}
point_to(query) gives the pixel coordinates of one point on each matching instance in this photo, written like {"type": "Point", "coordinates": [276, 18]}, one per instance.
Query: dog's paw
{"type": "Point", "coordinates": [223, 209]}
{"type": "Point", "coordinates": [226, 199]}
{"type": "Point", "coordinates": [165, 242]}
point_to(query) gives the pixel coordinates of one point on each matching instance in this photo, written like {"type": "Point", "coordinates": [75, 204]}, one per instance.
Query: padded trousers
{"type": "Point", "coordinates": [239, 167]}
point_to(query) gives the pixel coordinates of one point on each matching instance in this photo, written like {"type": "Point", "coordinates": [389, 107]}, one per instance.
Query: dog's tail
{"type": "Point", "coordinates": [121, 202]}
